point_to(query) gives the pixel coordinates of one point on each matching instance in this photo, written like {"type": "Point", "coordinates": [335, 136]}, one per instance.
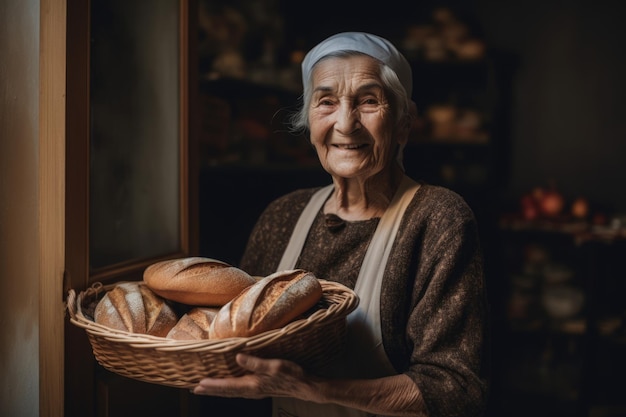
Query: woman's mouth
{"type": "Point", "coordinates": [350, 146]}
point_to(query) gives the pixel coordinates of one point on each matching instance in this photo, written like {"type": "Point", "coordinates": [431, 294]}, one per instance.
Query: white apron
{"type": "Point", "coordinates": [365, 356]}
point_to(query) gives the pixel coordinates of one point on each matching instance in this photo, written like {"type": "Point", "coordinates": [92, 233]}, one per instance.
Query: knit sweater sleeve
{"type": "Point", "coordinates": [446, 317]}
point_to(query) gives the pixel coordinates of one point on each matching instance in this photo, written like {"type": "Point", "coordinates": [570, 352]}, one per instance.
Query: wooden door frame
{"type": "Point", "coordinates": [51, 249]}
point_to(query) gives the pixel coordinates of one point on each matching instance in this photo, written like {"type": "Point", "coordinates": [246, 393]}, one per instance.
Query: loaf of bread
{"type": "Point", "coordinates": [197, 281]}
{"type": "Point", "coordinates": [133, 307]}
{"type": "Point", "coordinates": [271, 303]}
{"type": "Point", "coordinates": [193, 325]}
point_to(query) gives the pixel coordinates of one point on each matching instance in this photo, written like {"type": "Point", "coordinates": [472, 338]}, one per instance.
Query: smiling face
{"type": "Point", "coordinates": [352, 126]}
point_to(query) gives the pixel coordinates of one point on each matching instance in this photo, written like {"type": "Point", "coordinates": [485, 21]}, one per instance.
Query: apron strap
{"type": "Point", "coordinates": [364, 331]}
{"type": "Point", "coordinates": [301, 231]}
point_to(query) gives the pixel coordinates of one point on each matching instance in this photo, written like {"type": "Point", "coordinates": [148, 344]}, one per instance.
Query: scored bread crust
{"type": "Point", "coordinates": [194, 325]}
{"type": "Point", "coordinates": [197, 281]}
{"type": "Point", "coordinates": [133, 307]}
{"type": "Point", "coordinates": [271, 303]}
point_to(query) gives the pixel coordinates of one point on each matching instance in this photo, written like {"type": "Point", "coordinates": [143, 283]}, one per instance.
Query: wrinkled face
{"type": "Point", "coordinates": [351, 123]}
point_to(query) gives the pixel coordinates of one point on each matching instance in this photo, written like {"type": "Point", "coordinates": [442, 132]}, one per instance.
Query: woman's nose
{"type": "Point", "coordinates": [347, 120]}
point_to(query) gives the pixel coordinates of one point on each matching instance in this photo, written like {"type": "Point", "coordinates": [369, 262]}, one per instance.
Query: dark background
{"type": "Point", "coordinates": [567, 105]}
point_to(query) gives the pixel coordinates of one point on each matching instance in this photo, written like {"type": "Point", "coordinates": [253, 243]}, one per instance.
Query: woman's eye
{"type": "Point", "coordinates": [369, 101]}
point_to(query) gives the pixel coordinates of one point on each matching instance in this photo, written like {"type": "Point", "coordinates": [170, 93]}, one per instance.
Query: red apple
{"type": "Point", "coordinates": [528, 207]}
{"type": "Point", "coordinates": [599, 219]}
{"type": "Point", "coordinates": [551, 203]}
{"type": "Point", "coordinates": [580, 208]}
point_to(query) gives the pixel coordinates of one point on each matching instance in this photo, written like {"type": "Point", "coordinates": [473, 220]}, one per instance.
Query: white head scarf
{"type": "Point", "coordinates": [365, 43]}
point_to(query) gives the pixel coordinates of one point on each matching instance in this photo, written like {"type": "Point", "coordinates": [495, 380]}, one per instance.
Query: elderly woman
{"type": "Point", "coordinates": [410, 251]}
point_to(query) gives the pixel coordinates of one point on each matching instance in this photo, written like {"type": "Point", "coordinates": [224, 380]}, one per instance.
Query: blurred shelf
{"type": "Point", "coordinates": [578, 230]}
{"type": "Point", "coordinates": [584, 349]}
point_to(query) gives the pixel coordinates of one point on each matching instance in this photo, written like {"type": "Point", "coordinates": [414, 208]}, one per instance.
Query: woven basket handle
{"type": "Point", "coordinates": [74, 300]}
{"type": "Point", "coordinates": [71, 303]}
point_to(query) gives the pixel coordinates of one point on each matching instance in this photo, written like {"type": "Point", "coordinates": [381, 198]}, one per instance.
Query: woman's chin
{"type": "Point", "coordinates": [346, 173]}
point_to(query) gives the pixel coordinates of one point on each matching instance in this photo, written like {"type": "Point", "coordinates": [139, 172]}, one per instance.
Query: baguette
{"type": "Point", "coordinates": [133, 307]}
{"type": "Point", "coordinates": [193, 325]}
{"type": "Point", "coordinates": [197, 281]}
{"type": "Point", "coordinates": [271, 303]}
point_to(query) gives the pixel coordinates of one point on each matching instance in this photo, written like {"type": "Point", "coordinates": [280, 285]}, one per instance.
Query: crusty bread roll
{"type": "Point", "coordinates": [133, 307]}
{"type": "Point", "coordinates": [193, 325]}
{"type": "Point", "coordinates": [197, 281]}
{"type": "Point", "coordinates": [271, 303]}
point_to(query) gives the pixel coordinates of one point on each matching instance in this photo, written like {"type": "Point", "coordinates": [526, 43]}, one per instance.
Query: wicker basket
{"type": "Point", "coordinates": [312, 342]}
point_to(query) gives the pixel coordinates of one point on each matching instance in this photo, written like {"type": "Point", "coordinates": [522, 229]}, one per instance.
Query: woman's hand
{"type": "Point", "coordinates": [396, 395]}
{"type": "Point", "coordinates": [267, 378]}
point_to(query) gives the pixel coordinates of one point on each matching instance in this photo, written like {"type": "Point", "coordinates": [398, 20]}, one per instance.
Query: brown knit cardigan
{"type": "Point", "coordinates": [433, 298]}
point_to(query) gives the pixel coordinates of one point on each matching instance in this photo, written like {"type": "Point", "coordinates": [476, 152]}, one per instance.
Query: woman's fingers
{"type": "Point", "coordinates": [269, 367]}
{"type": "Point", "coordinates": [266, 377]}
{"type": "Point", "coordinates": [243, 386]}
